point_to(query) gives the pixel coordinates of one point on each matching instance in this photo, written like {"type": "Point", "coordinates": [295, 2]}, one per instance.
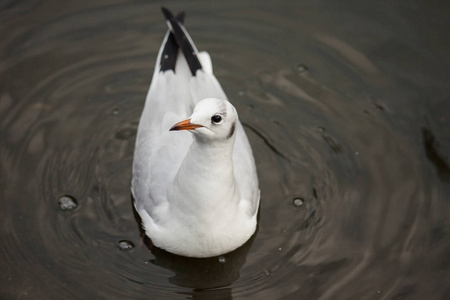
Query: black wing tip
{"type": "Point", "coordinates": [169, 56]}
{"type": "Point", "coordinates": [183, 42]}
{"type": "Point", "coordinates": [167, 13]}
{"type": "Point", "coordinates": [180, 17]}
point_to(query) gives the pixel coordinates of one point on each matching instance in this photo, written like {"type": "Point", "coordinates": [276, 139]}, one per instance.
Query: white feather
{"type": "Point", "coordinates": [187, 205]}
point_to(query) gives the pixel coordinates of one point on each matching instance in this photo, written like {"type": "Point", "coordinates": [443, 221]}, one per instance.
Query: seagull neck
{"type": "Point", "coordinates": [214, 150]}
{"type": "Point", "coordinates": [206, 177]}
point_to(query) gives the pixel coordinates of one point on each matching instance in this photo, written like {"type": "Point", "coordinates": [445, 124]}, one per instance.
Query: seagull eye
{"type": "Point", "coordinates": [216, 119]}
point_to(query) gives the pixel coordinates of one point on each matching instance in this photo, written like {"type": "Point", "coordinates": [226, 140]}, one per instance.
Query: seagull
{"type": "Point", "coordinates": [194, 183]}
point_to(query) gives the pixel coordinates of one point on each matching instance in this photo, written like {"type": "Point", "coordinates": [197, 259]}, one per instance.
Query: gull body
{"type": "Point", "coordinates": [194, 182]}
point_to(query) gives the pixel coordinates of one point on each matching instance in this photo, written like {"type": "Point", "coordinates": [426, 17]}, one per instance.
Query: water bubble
{"type": "Point", "coordinates": [115, 112]}
{"type": "Point", "coordinates": [301, 68]}
{"type": "Point", "coordinates": [267, 272]}
{"type": "Point", "coordinates": [67, 203]}
{"type": "Point", "coordinates": [241, 93]}
{"type": "Point", "coordinates": [125, 245]}
{"type": "Point", "coordinates": [222, 260]}
{"type": "Point", "coordinates": [298, 202]}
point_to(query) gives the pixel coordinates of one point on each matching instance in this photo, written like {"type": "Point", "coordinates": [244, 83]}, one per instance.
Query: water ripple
{"type": "Point", "coordinates": [328, 124]}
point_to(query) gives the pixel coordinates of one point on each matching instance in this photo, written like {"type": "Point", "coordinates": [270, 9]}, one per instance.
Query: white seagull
{"type": "Point", "coordinates": [196, 190]}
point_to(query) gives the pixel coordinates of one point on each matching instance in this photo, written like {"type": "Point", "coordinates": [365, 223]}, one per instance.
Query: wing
{"type": "Point", "coordinates": [158, 152]}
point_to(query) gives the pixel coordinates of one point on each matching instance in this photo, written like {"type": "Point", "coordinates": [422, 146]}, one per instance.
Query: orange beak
{"type": "Point", "coordinates": [185, 125]}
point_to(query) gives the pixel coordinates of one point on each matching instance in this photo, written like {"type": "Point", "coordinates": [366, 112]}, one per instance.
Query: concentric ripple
{"type": "Point", "coordinates": [349, 138]}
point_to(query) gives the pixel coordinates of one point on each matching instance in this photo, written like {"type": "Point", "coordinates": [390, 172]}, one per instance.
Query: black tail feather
{"type": "Point", "coordinates": [183, 41]}
{"type": "Point", "coordinates": [169, 54]}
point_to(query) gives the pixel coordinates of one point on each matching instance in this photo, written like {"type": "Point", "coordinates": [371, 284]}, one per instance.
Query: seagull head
{"type": "Point", "coordinates": [212, 119]}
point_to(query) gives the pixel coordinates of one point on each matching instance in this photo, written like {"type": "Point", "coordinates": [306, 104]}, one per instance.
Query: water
{"type": "Point", "coordinates": [347, 109]}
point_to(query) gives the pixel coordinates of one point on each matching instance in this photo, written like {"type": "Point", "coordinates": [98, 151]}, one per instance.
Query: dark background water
{"type": "Point", "coordinates": [346, 104]}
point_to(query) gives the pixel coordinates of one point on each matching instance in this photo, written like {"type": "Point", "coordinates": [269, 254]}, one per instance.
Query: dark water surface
{"type": "Point", "coordinates": [347, 107]}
